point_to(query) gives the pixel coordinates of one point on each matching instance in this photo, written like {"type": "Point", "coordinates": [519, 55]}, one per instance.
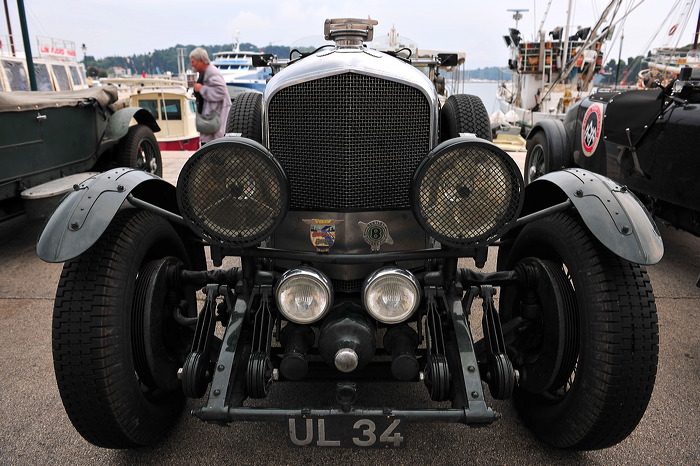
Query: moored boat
{"type": "Point", "coordinates": [240, 70]}
{"type": "Point", "coordinates": [171, 104]}
{"type": "Point", "coordinates": [552, 73]}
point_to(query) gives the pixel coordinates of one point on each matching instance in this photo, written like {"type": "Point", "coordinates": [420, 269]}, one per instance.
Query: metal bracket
{"type": "Point", "coordinates": [472, 391]}
{"type": "Point", "coordinates": [224, 371]}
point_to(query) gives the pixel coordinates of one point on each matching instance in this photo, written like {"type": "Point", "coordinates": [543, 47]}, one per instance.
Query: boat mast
{"type": "Point", "coordinates": [592, 38]}
{"type": "Point", "coordinates": [565, 57]}
{"type": "Point", "coordinates": [237, 39]}
{"type": "Point", "coordinates": [9, 29]}
{"type": "Point", "coordinates": [697, 32]}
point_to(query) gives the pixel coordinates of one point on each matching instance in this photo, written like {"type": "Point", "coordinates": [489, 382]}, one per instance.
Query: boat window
{"type": "Point", "coordinates": [16, 75]}
{"type": "Point", "coordinates": [43, 79]}
{"type": "Point", "coordinates": [151, 105]}
{"type": "Point", "coordinates": [171, 110]}
{"type": "Point", "coordinates": [61, 77]}
{"type": "Point", "coordinates": [193, 106]}
{"type": "Point", "coordinates": [75, 75]}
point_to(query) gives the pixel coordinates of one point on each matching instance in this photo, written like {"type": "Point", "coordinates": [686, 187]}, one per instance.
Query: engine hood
{"type": "Point", "coordinates": [361, 60]}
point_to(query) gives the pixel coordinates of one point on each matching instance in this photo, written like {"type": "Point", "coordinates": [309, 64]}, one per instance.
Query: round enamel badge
{"type": "Point", "coordinates": [591, 129]}
{"type": "Point", "coordinates": [375, 233]}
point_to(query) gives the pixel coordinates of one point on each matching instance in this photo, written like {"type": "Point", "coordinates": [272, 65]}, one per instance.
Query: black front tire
{"type": "Point", "coordinates": [464, 113]}
{"type": "Point", "coordinates": [611, 375]}
{"type": "Point", "coordinates": [139, 149]}
{"type": "Point", "coordinates": [107, 389]}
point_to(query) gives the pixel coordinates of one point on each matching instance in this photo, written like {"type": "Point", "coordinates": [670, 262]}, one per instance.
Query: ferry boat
{"type": "Point", "coordinates": [56, 66]}
{"type": "Point", "coordinates": [240, 71]}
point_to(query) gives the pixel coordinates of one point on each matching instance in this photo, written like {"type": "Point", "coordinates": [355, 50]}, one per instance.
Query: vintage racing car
{"type": "Point", "coordinates": [350, 194]}
{"type": "Point", "coordinates": [644, 139]}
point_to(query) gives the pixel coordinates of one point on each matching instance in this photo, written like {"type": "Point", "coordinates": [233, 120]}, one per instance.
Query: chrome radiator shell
{"type": "Point", "coordinates": [350, 126]}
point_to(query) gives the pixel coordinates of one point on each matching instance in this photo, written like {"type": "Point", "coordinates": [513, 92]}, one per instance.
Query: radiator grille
{"type": "Point", "coordinates": [350, 141]}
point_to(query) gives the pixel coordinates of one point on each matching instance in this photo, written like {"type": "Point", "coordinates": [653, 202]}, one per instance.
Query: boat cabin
{"type": "Point", "coordinates": [174, 107]}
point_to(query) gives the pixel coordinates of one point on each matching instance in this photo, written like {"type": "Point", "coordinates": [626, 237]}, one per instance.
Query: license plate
{"type": "Point", "coordinates": [345, 431]}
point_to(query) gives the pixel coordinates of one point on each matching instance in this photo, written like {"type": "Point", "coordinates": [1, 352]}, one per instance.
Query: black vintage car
{"type": "Point", "coordinates": [645, 139]}
{"type": "Point", "coordinates": [350, 194]}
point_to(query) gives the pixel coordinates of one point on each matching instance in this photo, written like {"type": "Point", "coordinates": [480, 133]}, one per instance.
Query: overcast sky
{"type": "Point", "coordinates": [127, 27]}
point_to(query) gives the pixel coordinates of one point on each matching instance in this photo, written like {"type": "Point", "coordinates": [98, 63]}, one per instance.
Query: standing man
{"type": "Point", "coordinates": [210, 91]}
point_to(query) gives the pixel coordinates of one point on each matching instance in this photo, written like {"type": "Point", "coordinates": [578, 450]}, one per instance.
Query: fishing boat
{"type": "Point", "coordinates": [172, 105]}
{"type": "Point", "coordinates": [241, 69]}
{"type": "Point", "coordinates": [553, 72]}
{"type": "Point", "coordinates": [56, 66]}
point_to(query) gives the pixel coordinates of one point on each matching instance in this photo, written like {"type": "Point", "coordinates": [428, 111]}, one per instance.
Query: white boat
{"type": "Point", "coordinates": [240, 73]}
{"type": "Point", "coordinates": [56, 66]}
{"type": "Point", "coordinates": [551, 73]}
{"type": "Point", "coordinates": [171, 104]}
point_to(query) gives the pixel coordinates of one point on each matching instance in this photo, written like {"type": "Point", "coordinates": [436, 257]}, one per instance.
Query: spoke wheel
{"type": "Point", "coordinates": [590, 394]}
{"type": "Point", "coordinates": [139, 149]}
{"type": "Point", "coordinates": [536, 160]}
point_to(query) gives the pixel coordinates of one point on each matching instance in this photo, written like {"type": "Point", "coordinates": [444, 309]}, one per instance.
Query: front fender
{"type": "Point", "coordinates": [610, 211]}
{"type": "Point", "coordinates": [118, 124]}
{"type": "Point", "coordinates": [84, 214]}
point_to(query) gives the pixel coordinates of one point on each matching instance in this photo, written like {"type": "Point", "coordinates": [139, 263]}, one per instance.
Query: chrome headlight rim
{"type": "Point", "coordinates": [309, 273]}
{"type": "Point", "coordinates": [491, 234]}
{"type": "Point", "coordinates": [375, 277]}
{"type": "Point", "coordinates": [273, 168]}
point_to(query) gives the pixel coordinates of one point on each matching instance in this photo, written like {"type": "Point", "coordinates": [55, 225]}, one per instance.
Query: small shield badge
{"type": "Point", "coordinates": [322, 233]}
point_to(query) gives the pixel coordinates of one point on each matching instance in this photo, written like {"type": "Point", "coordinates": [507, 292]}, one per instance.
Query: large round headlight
{"type": "Point", "coordinates": [391, 295]}
{"type": "Point", "coordinates": [233, 192]}
{"type": "Point", "coordinates": [467, 191]}
{"type": "Point", "coordinates": [304, 295]}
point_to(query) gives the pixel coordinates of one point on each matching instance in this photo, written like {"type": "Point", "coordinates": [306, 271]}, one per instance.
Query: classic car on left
{"type": "Point", "coordinates": [51, 141]}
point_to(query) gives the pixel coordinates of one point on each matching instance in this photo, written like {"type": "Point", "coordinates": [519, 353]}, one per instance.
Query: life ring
{"type": "Point", "coordinates": [672, 30]}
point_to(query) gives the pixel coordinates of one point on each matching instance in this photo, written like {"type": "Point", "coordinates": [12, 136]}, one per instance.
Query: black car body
{"type": "Point", "coordinates": [350, 193]}
{"type": "Point", "coordinates": [644, 139]}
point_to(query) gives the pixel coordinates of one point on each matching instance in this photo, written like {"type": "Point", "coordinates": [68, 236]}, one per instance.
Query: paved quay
{"type": "Point", "coordinates": [34, 428]}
